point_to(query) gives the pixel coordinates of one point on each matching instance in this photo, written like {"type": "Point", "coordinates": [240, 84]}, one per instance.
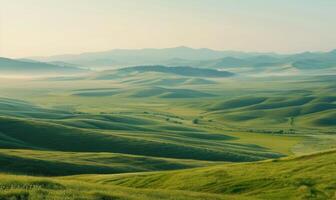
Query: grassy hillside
{"type": "Point", "coordinates": [306, 177]}
{"type": "Point", "coordinates": [17, 108]}
{"type": "Point", "coordinates": [28, 188]}
{"type": "Point", "coordinates": [292, 111]}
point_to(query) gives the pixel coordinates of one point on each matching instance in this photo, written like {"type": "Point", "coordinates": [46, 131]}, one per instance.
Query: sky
{"type": "Point", "coordinates": [51, 27]}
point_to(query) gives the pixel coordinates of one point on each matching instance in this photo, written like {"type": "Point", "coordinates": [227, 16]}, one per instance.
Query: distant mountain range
{"type": "Point", "coordinates": [302, 60]}
{"type": "Point", "coordinates": [25, 67]}
{"type": "Point", "coordinates": [122, 57]}
{"type": "Point", "coordinates": [156, 60]}
{"type": "Point", "coordinates": [247, 62]}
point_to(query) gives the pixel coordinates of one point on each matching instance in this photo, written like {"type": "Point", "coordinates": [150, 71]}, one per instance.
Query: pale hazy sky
{"type": "Point", "coordinates": [48, 27]}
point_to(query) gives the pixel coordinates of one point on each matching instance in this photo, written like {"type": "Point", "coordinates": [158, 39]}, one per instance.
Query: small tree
{"type": "Point", "coordinates": [195, 121]}
{"type": "Point", "coordinates": [291, 121]}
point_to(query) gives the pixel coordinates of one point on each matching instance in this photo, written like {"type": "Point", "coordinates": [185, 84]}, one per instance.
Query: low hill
{"type": "Point", "coordinates": [170, 93]}
{"type": "Point", "coordinates": [303, 63]}
{"type": "Point", "coordinates": [291, 112]}
{"type": "Point", "coordinates": [182, 71]}
{"type": "Point", "coordinates": [17, 108]}
{"type": "Point", "coordinates": [11, 67]}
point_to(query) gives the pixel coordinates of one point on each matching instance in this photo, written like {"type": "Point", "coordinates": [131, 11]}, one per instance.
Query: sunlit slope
{"type": "Point", "coordinates": [305, 177]}
{"type": "Point", "coordinates": [37, 188]}
{"type": "Point", "coordinates": [60, 163]}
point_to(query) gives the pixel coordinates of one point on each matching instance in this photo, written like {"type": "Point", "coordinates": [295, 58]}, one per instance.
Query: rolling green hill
{"type": "Point", "coordinates": [17, 108]}
{"type": "Point", "coordinates": [61, 163]}
{"type": "Point", "coordinates": [33, 134]}
{"type": "Point", "coordinates": [292, 111]}
{"type": "Point", "coordinates": [163, 75]}
{"type": "Point", "coordinates": [11, 67]}
{"type": "Point", "coordinates": [304, 177]}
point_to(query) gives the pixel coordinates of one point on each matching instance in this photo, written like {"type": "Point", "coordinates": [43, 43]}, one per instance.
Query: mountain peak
{"type": "Point", "coordinates": [182, 47]}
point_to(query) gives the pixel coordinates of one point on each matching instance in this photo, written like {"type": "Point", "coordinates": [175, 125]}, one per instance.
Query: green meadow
{"type": "Point", "coordinates": [158, 134]}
